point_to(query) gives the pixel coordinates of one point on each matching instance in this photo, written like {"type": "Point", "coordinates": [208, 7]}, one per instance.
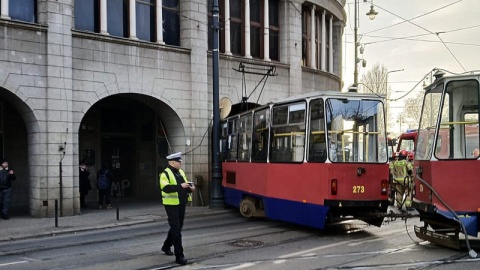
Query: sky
{"type": "Point", "coordinates": [408, 35]}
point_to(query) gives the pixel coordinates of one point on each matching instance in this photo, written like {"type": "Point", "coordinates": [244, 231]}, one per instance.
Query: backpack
{"type": "Point", "coordinates": [102, 180]}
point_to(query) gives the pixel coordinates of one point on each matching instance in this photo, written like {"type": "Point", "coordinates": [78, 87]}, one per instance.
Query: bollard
{"type": "Point", "coordinates": [118, 206]}
{"type": "Point", "coordinates": [56, 213]}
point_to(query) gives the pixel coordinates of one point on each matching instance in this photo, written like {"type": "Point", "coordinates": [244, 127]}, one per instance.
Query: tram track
{"type": "Point", "coordinates": [310, 254]}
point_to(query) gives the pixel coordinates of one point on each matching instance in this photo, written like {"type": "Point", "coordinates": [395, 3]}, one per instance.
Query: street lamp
{"type": "Point", "coordinates": [371, 14]}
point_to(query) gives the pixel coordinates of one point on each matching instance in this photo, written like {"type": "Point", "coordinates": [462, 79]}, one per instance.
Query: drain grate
{"type": "Point", "coordinates": [246, 243]}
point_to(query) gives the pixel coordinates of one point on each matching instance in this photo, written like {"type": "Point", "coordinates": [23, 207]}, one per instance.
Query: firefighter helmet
{"type": "Point", "coordinates": [403, 153]}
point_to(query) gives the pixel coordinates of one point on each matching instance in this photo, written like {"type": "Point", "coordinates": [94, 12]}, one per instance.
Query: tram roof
{"type": "Point", "coordinates": [317, 94]}
{"type": "Point", "coordinates": [327, 94]}
{"type": "Point", "coordinates": [442, 75]}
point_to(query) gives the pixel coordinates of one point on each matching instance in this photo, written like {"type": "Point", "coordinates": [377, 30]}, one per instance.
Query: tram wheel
{"type": "Point", "coordinates": [247, 207]}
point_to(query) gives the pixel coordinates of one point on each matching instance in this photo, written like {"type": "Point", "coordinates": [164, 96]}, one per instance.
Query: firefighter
{"type": "Point", "coordinates": [401, 172]}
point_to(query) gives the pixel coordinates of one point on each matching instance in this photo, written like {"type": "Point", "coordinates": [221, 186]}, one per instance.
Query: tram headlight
{"type": "Point", "coordinates": [333, 187]}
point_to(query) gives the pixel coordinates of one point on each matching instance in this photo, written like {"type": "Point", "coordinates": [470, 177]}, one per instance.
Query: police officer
{"type": "Point", "coordinates": [401, 171]}
{"type": "Point", "coordinates": [176, 192]}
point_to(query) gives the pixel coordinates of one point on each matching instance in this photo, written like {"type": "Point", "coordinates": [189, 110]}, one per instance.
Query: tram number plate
{"type": "Point", "coordinates": [358, 189]}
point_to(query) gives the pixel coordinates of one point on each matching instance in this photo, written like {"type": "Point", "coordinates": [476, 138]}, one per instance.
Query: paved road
{"type": "Point", "coordinates": [222, 239]}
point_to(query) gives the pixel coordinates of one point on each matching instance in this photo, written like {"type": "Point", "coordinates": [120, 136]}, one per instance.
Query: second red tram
{"type": "Point", "coordinates": [447, 160]}
{"type": "Point", "coordinates": [310, 160]}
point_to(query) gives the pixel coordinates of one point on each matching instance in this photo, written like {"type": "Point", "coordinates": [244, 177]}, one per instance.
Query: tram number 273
{"type": "Point", "coordinates": [358, 189]}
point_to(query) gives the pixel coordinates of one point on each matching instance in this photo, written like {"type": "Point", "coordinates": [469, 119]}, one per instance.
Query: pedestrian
{"type": "Point", "coordinates": [7, 175]}
{"type": "Point", "coordinates": [84, 182]}
{"type": "Point", "coordinates": [176, 192]}
{"type": "Point", "coordinates": [401, 172]}
{"type": "Point", "coordinates": [104, 186]}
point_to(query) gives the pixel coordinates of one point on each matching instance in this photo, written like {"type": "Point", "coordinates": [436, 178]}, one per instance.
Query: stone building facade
{"type": "Point", "coordinates": [125, 82]}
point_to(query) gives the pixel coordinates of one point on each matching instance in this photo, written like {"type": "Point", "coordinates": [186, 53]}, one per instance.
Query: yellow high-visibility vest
{"type": "Point", "coordinates": [168, 178]}
{"type": "Point", "coordinates": [399, 169]}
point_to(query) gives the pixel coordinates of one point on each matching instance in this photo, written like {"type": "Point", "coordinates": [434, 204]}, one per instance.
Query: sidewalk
{"type": "Point", "coordinates": [130, 213]}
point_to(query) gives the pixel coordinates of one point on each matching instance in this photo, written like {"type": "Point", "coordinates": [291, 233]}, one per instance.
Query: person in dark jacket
{"type": "Point", "coordinates": [104, 185]}
{"type": "Point", "coordinates": [7, 175]}
{"type": "Point", "coordinates": [84, 183]}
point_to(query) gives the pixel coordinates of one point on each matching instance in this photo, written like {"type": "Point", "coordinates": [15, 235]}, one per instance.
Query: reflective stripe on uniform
{"type": "Point", "coordinates": [170, 198]}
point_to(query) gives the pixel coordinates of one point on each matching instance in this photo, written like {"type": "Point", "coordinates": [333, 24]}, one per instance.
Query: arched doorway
{"type": "Point", "coordinates": [129, 132]}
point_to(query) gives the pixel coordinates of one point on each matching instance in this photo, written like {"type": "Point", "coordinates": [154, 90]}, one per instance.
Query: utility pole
{"type": "Point", "coordinates": [355, 29]}
{"type": "Point", "coordinates": [216, 196]}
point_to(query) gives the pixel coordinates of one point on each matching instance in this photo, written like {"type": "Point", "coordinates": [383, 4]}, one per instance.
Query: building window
{"type": "Point", "coordinates": [306, 36]}
{"type": "Point", "coordinates": [256, 28]}
{"type": "Point", "coordinates": [327, 45]}
{"type": "Point", "coordinates": [117, 18]}
{"type": "Point", "coordinates": [236, 27]}
{"type": "Point", "coordinates": [318, 39]}
{"type": "Point", "coordinates": [145, 14]}
{"type": "Point", "coordinates": [87, 15]}
{"type": "Point", "coordinates": [274, 29]}
{"type": "Point", "coordinates": [23, 10]}
{"type": "Point", "coordinates": [171, 22]}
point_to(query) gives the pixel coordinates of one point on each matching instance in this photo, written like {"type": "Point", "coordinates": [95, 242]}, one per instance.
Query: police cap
{"type": "Point", "coordinates": [176, 156]}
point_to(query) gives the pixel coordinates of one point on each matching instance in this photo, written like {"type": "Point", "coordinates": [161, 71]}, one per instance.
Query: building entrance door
{"type": "Point", "coordinates": [118, 151]}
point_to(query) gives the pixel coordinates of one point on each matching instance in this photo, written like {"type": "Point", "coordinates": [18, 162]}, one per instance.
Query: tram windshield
{"type": "Point", "coordinates": [449, 122]}
{"type": "Point", "coordinates": [355, 130]}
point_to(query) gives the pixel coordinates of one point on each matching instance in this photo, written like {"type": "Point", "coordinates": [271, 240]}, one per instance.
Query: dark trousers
{"type": "Point", "coordinates": [82, 199]}
{"type": "Point", "coordinates": [103, 195]}
{"type": "Point", "coordinates": [5, 194]}
{"type": "Point", "coordinates": [176, 215]}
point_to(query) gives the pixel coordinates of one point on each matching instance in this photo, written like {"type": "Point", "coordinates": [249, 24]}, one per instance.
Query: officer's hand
{"type": "Point", "coordinates": [185, 185]}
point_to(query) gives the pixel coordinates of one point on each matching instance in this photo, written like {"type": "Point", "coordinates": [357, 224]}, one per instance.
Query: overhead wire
{"type": "Point", "coordinates": [419, 16]}
{"type": "Point", "coordinates": [437, 34]}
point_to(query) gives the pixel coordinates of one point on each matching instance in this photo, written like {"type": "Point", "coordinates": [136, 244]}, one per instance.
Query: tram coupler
{"type": "Point", "coordinates": [392, 215]}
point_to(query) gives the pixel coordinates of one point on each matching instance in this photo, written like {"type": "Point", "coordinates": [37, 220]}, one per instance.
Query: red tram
{"type": "Point", "coordinates": [447, 160]}
{"type": "Point", "coordinates": [309, 160]}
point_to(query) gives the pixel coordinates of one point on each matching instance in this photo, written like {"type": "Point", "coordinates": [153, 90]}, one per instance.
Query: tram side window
{"type": "Point", "coordinates": [317, 150]}
{"type": "Point", "coordinates": [223, 141]}
{"type": "Point", "coordinates": [228, 140]}
{"type": "Point", "coordinates": [288, 133]}
{"type": "Point", "coordinates": [426, 132]}
{"type": "Point", "coordinates": [245, 137]}
{"type": "Point", "coordinates": [260, 135]}
{"type": "Point", "coordinates": [232, 139]}
{"type": "Point", "coordinates": [458, 135]}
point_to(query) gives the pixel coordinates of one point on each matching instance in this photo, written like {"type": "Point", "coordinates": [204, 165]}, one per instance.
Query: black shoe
{"type": "Point", "coordinates": [167, 251]}
{"type": "Point", "coordinates": [181, 260]}
{"type": "Point", "coordinates": [5, 216]}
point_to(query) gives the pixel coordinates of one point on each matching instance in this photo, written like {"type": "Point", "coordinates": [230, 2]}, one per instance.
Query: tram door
{"type": "Point", "coordinates": [119, 153]}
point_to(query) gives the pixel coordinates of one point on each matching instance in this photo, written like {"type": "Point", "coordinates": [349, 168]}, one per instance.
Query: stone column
{"type": "Point", "coordinates": [103, 17]}
{"type": "Point", "coordinates": [228, 50]}
{"type": "Point", "coordinates": [247, 29]}
{"type": "Point", "coordinates": [132, 19]}
{"type": "Point", "coordinates": [4, 7]}
{"type": "Point", "coordinates": [56, 151]}
{"type": "Point", "coordinates": [266, 32]}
